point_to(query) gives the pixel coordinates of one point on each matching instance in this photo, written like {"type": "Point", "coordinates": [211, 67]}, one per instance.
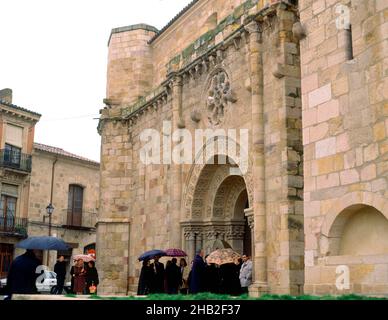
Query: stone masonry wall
{"type": "Point", "coordinates": [345, 130]}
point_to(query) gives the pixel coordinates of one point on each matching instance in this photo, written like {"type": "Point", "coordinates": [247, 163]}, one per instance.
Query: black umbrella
{"type": "Point", "coordinates": [151, 254]}
{"type": "Point", "coordinates": [43, 243]}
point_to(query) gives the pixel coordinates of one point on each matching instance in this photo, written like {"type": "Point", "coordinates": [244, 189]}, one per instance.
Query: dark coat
{"type": "Point", "coordinates": [230, 279]}
{"type": "Point", "coordinates": [197, 275]}
{"type": "Point", "coordinates": [22, 274]}
{"type": "Point", "coordinates": [60, 270]}
{"type": "Point", "coordinates": [173, 277]}
{"type": "Point", "coordinates": [92, 277]}
{"type": "Point", "coordinates": [145, 280]}
{"type": "Point", "coordinates": [212, 278]}
{"type": "Point", "coordinates": [158, 278]}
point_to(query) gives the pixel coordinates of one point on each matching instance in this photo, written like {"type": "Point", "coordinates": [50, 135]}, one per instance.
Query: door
{"type": "Point", "coordinates": [75, 201]}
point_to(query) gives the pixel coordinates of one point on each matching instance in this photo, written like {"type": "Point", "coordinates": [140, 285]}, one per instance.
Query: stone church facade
{"type": "Point", "coordinates": [249, 66]}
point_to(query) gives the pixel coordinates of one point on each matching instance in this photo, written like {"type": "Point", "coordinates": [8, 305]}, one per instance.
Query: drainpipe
{"type": "Point", "coordinates": [51, 201]}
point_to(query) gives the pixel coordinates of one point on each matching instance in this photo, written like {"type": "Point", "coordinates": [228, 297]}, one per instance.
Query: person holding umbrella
{"type": "Point", "coordinates": [158, 279]}
{"type": "Point", "coordinates": [173, 277]}
{"type": "Point", "coordinates": [79, 277]}
{"type": "Point", "coordinates": [22, 274]}
{"type": "Point", "coordinates": [228, 260]}
{"type": "Point", "coordinates": [145, 279]}
{"type": "Point", "coordinates": [157, 268]}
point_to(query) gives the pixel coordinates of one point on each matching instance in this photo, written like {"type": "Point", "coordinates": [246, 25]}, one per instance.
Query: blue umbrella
{"type": "Point", "coordinates": [43, 243]}
{"type": "Point", "coordinates": [151, 254]}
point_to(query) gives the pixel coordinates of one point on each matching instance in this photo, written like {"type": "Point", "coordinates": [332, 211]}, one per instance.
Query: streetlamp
{"type": "Point", "coordinates": [49, 210]}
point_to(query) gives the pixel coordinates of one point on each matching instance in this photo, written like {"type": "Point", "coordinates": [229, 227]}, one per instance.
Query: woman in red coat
{"type": "Point", "coordinates": [79, 277]}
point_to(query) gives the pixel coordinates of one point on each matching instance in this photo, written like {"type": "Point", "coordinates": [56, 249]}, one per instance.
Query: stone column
{"type": "Point", "coordinates": [257, 133]}
{"type": "Point", "coordinates": [198, 241]}
{"type": "Point", "coordinates": [176, 175]}
{"type": "Point", "coordinates": [251, 223]}
{"type": "Point", "coordinates": [190, 244]}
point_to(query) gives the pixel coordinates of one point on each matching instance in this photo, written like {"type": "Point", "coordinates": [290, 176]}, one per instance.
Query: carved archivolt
{"type": "Point", "coordinates": [201, 181]}
{"type": "Point", "coordinates": [219, 95]}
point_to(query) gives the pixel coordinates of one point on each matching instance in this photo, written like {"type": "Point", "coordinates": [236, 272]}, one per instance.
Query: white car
{"type": "Point", "coordinates": [49, 280]}
{"type": "Point", "coordinates": [43, 285]}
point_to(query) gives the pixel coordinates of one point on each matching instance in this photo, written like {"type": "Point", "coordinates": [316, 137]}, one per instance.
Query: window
{"type": "Point", "coordinates": [14, 135]}
{"type": "Point", "coordinates": [74, 209]}
{"type": "Point", "coordinates": [6, 254]}
{"type": "Point", "coordinates": [12, 155]}
{"type": "Point", "coordinates": [7, 212]}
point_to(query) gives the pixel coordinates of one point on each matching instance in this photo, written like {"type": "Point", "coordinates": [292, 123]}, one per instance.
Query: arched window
{"type": "Point", "coordinates": [74, 208]}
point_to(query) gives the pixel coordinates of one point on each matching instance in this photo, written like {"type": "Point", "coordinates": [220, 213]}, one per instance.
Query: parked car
{"type": "Point", "coordinates": [3, 283]}
{"type": "Point", "coordinates": [43, 286]}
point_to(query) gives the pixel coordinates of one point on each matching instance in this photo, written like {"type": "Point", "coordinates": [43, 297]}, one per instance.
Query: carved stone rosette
{"type": "Point", "coordinates": [219, 95]}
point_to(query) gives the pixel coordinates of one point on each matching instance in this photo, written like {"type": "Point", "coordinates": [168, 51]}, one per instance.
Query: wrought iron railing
{"type": "Point", "coordinates": [86, 219]}
{"type": "Point", "coordinates": [14, 225]}
{"type": "Point", "coordinates": [15, 160]}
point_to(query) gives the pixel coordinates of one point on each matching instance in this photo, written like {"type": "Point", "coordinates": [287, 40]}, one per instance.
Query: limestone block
{"type": "Point", "coordinates": [368, 172]}
{"type": "Point", "coordinates": [319, 96]}
{"type": "Point", "coordinates": [328, 110]}
{"type": "Point", "coordinates": [328, 181]}
{"type": "Point", "coordinates": [326, 147]}
{"type": "Point", "coordinates": [349, 176]}
{"type": "Point", "coordinates": [371, 152]}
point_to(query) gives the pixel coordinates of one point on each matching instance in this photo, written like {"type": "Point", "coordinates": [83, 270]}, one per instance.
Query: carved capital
{"type": "Point", "coordinates": [176, 81]}
{"type": "Point", "coordinates": [250, 217]}
{"type": "Point", "coordinates": [252, 27]}
{"type": "Point", "coordinates": [189, 236]}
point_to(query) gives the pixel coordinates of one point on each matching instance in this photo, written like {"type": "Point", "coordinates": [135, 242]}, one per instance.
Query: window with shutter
{"type": "Point", "coordinates": [75, 201]}
{"type": "Point", "coordinates": [14, 135]}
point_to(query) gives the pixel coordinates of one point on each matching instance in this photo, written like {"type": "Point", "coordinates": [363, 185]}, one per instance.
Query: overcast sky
{"type": "Point", "coordinates": [53, 55]}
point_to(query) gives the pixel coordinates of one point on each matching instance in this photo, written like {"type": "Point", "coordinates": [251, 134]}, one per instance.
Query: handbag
{"type": "Point", "coordinates": [92, 288]}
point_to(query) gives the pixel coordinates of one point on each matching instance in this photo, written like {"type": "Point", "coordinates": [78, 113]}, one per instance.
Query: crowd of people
{"type": "Point", "coordinates": [230, 278]}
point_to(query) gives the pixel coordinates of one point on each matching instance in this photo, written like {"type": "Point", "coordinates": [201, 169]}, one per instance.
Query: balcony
{"type": "Point", "coordinates": [14, 226]}
{"type": "Point", "coordinates": [15, 160]}
{"type": "Point", "coordinates": [85, 220]}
